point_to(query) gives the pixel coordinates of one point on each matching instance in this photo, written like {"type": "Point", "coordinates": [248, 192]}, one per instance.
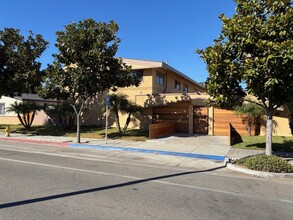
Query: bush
{"type": "Point", "coordinates": [266, 163]}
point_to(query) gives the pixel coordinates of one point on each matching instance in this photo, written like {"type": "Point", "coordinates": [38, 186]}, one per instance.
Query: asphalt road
{"type": "Point", "coordinates": [41, 186]}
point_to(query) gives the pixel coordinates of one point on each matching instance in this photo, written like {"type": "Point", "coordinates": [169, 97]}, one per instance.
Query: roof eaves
{"type": "Point", "coordinates": [164, 65]}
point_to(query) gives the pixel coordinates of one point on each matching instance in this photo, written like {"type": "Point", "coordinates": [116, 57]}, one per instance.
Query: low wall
{"type": "Point", "coordinates": [161, 129]}
{"type": "Point", "coordinates": [9, 120]}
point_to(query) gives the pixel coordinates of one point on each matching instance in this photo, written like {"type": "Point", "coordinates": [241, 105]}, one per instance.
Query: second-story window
{"type": "Point", "coordinates": [138, 73]}
{"type": "Point", "coordinates": [185, 88]}
{"type": "Point", "coordinates": [160, 79]}
{"type": "Point", "coordinates": [177, 85]}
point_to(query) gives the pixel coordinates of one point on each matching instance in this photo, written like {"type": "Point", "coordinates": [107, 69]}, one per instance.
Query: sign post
{"type": "Point", "coordinates": [107, 109]}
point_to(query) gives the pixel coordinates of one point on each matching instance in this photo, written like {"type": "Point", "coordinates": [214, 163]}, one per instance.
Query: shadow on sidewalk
{"type": "Point", "coordinates": [64, 195]}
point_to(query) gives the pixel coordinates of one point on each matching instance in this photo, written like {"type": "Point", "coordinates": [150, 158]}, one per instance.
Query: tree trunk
{"type": "Point", "coordinates": [20, 119]}
{"type": "Point", "coordinates": [290, 118]}
{"type": "Point", "coordinates": [118, 123]}
{"type": "Point", "coordinates": [78, 127]}
{"type": "Point", "coordinates": [249, 127]}
{"type": "Point", "coordinates": [126, 123]}
{"type": "Point", "coordinates": [78, 113]}
{"type": "Point", "coordinates": [32, 119]}
{"type": "Point", "coordinates": [269, 130]}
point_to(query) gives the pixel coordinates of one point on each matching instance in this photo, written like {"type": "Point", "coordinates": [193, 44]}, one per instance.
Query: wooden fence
{"type": "Point", "coordinates": [161, 129]}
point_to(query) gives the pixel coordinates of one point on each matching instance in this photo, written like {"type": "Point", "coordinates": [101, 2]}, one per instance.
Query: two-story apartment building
{"type": "Point", "coordinates": [160, 85]}
{"type": "Point", "coordinates": [160, 78]}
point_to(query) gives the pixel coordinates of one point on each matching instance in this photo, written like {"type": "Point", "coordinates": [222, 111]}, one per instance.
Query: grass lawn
{"type": "Point", "coordinates": [86, 132]}
{"type": "Point", "coordinates": [280, 143]}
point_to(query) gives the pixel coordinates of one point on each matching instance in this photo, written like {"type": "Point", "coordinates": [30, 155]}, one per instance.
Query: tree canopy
{"type": "Point", "coordinates": [86, 64]}
{"type": "Point", "coordinates": [19, 66]}
{"type": "Point", "coordinates": [255, 47]}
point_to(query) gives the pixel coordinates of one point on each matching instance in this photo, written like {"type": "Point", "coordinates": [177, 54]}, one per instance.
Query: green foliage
{"type": "Point", "coordinates": [86, 65]}
{"type": "Point", "coordinates": [255, 47]}
{"type": "Point", "coordinates": [251, 112]}
{"type": "Point", "coordinates": [86, 62]}
{"type": "Point", "coordinates": [63, 115]}
{"type": "Point", "coordinates": [25, 112]}
{"type": "Point", "coordinates": [120, 103]}
{"type": "Point", "coordinates": [266, 163]}
{"type": "Point", "coordinates": [19, 69]}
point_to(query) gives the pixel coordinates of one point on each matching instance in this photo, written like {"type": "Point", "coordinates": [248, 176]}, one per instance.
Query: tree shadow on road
{"type": "Point", "coordinates": [138, 181]}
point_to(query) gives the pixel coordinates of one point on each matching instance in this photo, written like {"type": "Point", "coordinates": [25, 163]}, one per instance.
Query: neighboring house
{"type": "Point", "coordinates": [41, 117]}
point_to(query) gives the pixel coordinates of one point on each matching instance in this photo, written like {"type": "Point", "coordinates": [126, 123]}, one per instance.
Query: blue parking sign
{"type": "Point", "coordinates": [107, 101]}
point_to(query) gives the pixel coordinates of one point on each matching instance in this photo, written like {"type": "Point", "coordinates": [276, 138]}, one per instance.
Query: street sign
{"type": "Point", "coordinates": [107, 101]}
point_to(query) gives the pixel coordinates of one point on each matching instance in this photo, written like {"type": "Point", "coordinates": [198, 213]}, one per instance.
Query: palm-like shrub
{"type": "Point", "coordinates": [251, 112]}
{"type": "Point", "coordinates": [120, 103]}
{"type": "Point", "coordinates": [25, 112]}
{"type": "Point", "coordinates": [63, 115]}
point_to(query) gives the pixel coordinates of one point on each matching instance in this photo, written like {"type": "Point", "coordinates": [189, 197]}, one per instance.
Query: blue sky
{"type": "Point", "coordinates": [160, 30]}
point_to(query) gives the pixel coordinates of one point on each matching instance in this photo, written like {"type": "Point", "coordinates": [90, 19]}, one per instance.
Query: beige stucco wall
{"type": "Point", "coordinates": [144, 88]}
{"type": "Point", "coordinates": [138, 120]}
{"type": "Point", "coordinates": [169, 86]}
{"type": "Point", "coordinates": [280, 127]}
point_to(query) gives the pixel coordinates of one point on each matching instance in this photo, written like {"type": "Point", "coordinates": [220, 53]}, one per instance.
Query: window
{"type": "Point", "coordinates": [2, 108]}
{"type": "Point", "coordinates": [138, 73]}
{"type": "Point", "coordinates": [185, 88]}
{"type": "Point", "coordinates": [160, 79]}
{"type": "Point", "coordinates": [177, 85]}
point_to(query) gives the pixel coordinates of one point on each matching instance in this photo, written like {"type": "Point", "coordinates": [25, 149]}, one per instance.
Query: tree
{"type": "Point", "coordinates": [255, 47]}
{"type": "Point", "coordinates": [85, 65]}
{"type": "Point", "coordinates": [62, 115]}
{"type": "Point", "coordinates": [25, 112]}
{"type": "Point", "coordinates": [251, 113]}
{"type": "Point", "coordinates": [130, 110]}
{"type": "Point", "coordinates": [19, 69]}
{"type": "Point", "coordinates": [120, 103]}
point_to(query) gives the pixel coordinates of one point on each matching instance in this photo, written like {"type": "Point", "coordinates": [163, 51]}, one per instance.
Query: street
{"type": "Point", "coordinates": [42, 186]}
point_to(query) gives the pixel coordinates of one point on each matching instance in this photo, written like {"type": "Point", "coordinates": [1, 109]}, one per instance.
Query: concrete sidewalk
{"type": "Point", "coordinates": [200, 147]}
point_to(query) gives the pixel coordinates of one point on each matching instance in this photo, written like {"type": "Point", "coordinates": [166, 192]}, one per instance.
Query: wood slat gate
{"type": "Point", "coordinates": [176, 112]}
{"type": "Point", "coordinates": [200, 120]}
{"type": "Point", "coordinates": [222, 118]}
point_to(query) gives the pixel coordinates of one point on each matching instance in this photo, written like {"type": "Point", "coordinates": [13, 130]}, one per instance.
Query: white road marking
{"type": "Point", "coordinates": [112, 159]}
{"type": "Point", "coordinates": [90, 158]}
{"type": "Point", "coordinates": [156, 181]}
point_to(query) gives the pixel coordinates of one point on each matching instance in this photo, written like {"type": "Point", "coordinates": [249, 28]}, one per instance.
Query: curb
{"type": "Point", "coordinates": [60, 144]}
{"type": "Point", "coordinates": [150, 151]}
{"type": "Point", "coordinates": [268, 175]}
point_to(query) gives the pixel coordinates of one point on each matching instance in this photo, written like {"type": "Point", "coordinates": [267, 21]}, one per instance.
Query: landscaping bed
{"type": "Point", "coordinates": [86, 132]}
{"type": "Point", "coordinates": [266, 163]}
